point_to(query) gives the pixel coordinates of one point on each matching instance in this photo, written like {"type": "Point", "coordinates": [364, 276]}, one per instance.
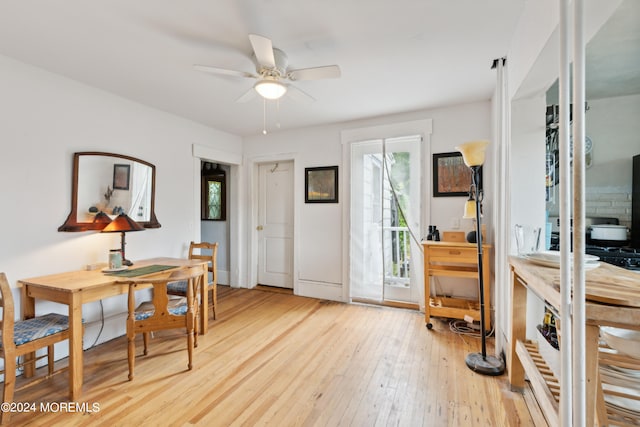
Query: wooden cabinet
{"type": "Point", "coordinates": [455, 259]}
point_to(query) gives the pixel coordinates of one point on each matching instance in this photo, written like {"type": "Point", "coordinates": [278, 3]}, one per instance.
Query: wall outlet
{"type": "Point", "coordinates": [455, 223]}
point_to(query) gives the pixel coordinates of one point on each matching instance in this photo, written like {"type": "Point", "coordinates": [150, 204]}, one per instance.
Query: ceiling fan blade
{"type": "Point", "coordinates": [247, 96]}
{"type": "Point", "coordinates": [299, 95]}
{"type": "Point", "coordinates": [263, 49]}
{"type": "Point", "coordinates": [315, 73]}
{"type": "Point", "coordinates": [216, 70]}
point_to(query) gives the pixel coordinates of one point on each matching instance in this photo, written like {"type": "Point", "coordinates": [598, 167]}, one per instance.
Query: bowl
{"type": "Point", "coordinates": [625, 341]}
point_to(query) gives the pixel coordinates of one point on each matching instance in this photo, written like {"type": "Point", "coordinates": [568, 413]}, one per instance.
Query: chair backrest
{"type": "Point", "coordinates": [7, 320]}
{"type": "Point", "coordinates": [193, 277]}
{"type": "Point", "coordinates": [209, 252]}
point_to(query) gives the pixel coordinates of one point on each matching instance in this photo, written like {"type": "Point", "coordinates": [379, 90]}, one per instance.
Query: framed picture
{"type": "Point", "coordinates": [121, 177]}
{"type": "Point", "coordinates": [451, 177]}
{"type": "Point", "coordinates": [321, 184]}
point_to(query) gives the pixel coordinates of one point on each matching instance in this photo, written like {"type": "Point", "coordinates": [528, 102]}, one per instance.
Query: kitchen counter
{"type": "Point", "coordinates": [613, 299]}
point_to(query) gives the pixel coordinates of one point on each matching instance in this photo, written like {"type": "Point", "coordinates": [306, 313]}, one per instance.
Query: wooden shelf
{"type": "Point", "coordinates": [604, 284]}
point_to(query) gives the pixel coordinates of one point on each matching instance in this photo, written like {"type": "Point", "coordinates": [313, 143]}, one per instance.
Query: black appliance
{"type": "Point", "coordinates": [635, 204]}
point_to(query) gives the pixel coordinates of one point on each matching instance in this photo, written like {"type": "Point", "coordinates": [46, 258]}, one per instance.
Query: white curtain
{"type": "Point", "coordinates": [502, 209]}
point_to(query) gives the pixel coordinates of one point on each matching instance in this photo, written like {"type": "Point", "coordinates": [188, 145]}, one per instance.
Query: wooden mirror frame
{"type": "Point", "coordinates": [72, 223]}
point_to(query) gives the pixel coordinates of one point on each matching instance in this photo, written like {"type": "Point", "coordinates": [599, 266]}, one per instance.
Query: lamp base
{"type": "Point", "coordinates": [127, 262]}
{"type": "Point", "coordinates": [489, 365]}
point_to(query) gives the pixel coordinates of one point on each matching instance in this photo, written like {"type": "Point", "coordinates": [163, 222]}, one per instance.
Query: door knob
{"type": "Point", "coordinates": [259, 228]}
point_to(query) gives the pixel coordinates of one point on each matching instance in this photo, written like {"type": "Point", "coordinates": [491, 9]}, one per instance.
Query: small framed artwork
{"type": "Point", "coordinates": [451, 177]}
{"type": "Point", "coordinates": [121, 177]}
{"type": "Point", "coordinates": [321, 184]}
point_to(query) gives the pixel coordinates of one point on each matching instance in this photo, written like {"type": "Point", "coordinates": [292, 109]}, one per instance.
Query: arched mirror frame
{"type": "Point", "coordinates": [72, 223]}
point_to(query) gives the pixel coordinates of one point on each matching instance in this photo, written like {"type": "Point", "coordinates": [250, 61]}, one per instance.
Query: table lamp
{"type": "Point", "coordinates": [473, 154]}
{"type": "Point", "coordinates": [122, 223]}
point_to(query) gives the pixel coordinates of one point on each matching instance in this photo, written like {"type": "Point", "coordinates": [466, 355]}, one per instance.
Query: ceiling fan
{"type": "Point", "coordinates": [272, 74]}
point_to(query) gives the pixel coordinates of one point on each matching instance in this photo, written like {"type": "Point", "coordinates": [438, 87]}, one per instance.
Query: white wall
{"type": "Point", "coordinates": [45, 119]}
{"type": "Point", "coordinates": [319, 228]}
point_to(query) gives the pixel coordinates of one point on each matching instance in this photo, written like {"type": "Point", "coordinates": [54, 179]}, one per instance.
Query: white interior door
{"type": "Point", "coordinates": [275, 224]}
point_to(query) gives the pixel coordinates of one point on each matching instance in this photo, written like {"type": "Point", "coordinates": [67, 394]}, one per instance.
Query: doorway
{"type": "Point", "coordinates": [275, 224]}
{"type": "Point", "coordinates": [385, 220]}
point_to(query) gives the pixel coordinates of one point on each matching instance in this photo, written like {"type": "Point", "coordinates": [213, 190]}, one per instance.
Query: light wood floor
{"type": "Point", "coordinates": [281, 360]}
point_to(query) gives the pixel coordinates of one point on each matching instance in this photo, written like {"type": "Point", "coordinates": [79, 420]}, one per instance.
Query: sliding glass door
{"type": "Point", "coordinates": [385, 215]}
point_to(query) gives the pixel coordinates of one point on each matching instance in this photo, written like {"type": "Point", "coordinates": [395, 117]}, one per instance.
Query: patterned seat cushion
{"type": "Point", "coordinates": [177, 287]}
{"type": "Point", "coordinates": [39, 327]}
{"type": "Point", "coordinates": [176, 306]}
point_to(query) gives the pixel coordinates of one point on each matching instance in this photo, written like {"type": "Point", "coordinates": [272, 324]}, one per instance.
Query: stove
{"type": "Point", "coordinates": [624, 257]}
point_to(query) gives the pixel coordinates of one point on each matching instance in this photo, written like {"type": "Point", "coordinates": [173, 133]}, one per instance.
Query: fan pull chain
{"type": "Point", "coordinates": [278, 113]}
{"type": "Point", "coordinates": [264, 116]}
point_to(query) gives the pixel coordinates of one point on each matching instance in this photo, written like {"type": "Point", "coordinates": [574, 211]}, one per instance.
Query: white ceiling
{"type": "Point", "coordinates": [395, 55]}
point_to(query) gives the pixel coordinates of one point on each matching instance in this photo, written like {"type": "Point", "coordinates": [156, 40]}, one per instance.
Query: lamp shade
{"type": "Point", "coordinates": [270, 88]}
{"type": "Point", "coordinates": [101, 218]}
{"type": "Point", "coordinates": [122, 223]}
{"type": "Point", "coordinates": [470, 209]}
{"type": "Point", "coordinates": [473, 152]}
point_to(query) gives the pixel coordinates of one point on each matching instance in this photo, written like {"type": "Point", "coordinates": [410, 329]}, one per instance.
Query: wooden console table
{"type": "Point", "coordinates": [455, 259]}
{"type": "Point", "coordinates": [613, 299]}
{"type": "Point", "coordinates": [78, 287]}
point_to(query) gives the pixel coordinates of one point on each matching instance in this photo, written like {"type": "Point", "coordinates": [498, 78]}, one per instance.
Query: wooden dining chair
{"type": "Point", "coordinates": [26, 336]}
{"type": "Point", "coordinates": [208, 252]}
{"type": "Point", "coordinates": [163, 313]}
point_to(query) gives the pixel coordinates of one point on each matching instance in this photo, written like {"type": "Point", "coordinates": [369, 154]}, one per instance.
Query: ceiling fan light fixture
{"type": "Point", "coordinates": [270, 88]}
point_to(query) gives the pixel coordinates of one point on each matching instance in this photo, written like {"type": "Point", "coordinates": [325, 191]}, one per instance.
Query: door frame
{"type": "Point", "coordinates": [416, 127]}
{"type": "Point", "coordinates": [234, 161]}
{"type": "Point", "coordinates": [253, 236]}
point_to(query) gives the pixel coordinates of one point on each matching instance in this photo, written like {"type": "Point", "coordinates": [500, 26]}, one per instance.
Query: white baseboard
{"type": "Point", "coordinates": [328, 291]}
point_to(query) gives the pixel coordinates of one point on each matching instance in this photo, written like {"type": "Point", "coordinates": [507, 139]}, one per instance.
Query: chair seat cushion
{"type": "Point", "coordinates": [176, 306]}
{"type": "Point", "coordinates": [177, 287]}
{"type": "Point", "coordinates": [39, 327]}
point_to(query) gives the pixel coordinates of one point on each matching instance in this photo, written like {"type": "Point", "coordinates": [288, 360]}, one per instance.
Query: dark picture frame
{"type": "Point", "coordinates": [451, 177]}
{"type": "Point", "coordinates": [321, 184]}
{"type": "Point", "coordinates": [121, 174]}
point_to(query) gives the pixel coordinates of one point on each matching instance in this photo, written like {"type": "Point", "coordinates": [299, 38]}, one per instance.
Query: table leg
{"type": "Point", "coordinates": [75, 347]}
{"type": "Point", "coordinates": [204, 303]}
{"type": "Point", "coordinates": [28, 312]}
{"type": "Point", "coordinates": [595, 399]}
{"type": "Point", "coordinates": [518, 331]}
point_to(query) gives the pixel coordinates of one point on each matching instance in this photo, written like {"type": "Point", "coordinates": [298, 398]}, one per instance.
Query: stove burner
{"type": "Point", "coordinates": [624, 257]}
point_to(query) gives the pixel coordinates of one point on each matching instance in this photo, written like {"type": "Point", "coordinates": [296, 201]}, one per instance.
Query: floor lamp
{"type": "Point", "coordinates": [473, 154]}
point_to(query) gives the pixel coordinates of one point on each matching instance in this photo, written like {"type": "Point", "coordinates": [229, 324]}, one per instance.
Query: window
{"type": "Point", "coordinates": [214, 193]}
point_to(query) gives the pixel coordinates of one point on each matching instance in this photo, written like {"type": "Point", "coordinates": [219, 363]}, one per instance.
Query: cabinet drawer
{"type": "Point", "coordinates": [453, 254]}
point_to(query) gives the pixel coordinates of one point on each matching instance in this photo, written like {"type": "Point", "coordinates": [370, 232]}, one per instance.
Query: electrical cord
{"type": "Point", "coordinates": [461, 327]}
{"type": "Point", "coordinates": [95, 342]}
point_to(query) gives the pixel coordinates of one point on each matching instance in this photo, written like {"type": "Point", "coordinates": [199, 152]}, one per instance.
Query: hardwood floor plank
{"type": "Point", "coordinates": [279, 359]}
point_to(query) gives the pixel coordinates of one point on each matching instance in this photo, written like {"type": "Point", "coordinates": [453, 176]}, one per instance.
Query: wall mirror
{"type": "Point", "coordinates": [112, 184]}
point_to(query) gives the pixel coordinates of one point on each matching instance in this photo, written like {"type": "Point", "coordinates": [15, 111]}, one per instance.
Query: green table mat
{"type": "Point", "coordinates": [141, 271]}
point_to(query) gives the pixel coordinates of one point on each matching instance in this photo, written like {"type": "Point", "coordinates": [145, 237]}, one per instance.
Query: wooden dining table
{"type": "Point", "coordinates": [76, 288]}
